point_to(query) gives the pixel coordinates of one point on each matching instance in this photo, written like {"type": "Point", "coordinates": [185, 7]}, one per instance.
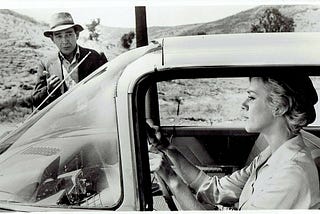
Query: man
{"type": "Point", "coordinates": [64, 33]}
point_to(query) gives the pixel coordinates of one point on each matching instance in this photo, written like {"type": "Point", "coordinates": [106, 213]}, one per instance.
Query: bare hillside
{"type": "Point", "coordinates": [306, 18]}
{"type": "Point", "coordinates": [21, 46]}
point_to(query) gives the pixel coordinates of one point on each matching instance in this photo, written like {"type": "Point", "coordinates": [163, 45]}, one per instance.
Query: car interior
{"type": "Point", "coordinates": [199, 112]}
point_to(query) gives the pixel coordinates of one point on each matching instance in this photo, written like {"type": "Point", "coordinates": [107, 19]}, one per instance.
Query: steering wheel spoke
{"type": "Point", "coordinates": [159, 187]}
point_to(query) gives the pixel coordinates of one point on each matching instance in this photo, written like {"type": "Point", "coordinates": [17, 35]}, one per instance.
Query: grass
{"type": "Point", "coordinates": [201, 101]}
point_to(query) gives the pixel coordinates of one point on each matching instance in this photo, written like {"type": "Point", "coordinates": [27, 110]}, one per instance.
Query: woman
{"type": "Point", "coordinates": [283, 176]}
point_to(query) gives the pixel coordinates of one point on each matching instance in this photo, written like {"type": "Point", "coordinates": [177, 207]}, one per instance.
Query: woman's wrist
{"type": "Point", "coordinates": [171, 151]}
{"type": "Point", "coordinates": [174, 182]}
{"type": "Point", "coordinates": [198, 181]}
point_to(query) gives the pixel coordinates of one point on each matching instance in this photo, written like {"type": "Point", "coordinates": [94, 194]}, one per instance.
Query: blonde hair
{"type": "Point", "coordinates": [285, 101]}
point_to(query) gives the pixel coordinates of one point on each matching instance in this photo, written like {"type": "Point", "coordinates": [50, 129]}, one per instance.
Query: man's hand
{"type": "Point", "coordinates": [52, 82]}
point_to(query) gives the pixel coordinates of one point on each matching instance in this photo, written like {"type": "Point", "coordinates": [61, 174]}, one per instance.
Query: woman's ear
{"type": "Point", "coordinates": [280, 111]}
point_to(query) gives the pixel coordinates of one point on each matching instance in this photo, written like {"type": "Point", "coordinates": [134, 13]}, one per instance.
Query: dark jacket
{"type": "Point", "coordinates": [53, 66]}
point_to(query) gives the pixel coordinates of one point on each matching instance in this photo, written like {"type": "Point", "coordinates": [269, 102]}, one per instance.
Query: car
{"type": "Point", "coordinates": [88, 150]}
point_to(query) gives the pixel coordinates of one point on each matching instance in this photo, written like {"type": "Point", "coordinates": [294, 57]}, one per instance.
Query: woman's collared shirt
{"type": "Point", "coordinates": [286, 180]}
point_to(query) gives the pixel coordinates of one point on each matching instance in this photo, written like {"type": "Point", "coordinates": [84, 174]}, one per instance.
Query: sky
{"type": "Point", "coordinates": [120, 13]}
{"type": "Point", "coordinates": [123, 16]}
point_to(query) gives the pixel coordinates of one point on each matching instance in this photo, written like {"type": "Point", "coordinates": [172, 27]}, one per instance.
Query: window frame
{"type": "Point", "coordinates": [165, 74]}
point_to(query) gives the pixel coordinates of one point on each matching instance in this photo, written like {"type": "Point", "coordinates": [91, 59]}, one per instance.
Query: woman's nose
{"type": "Point", "coordinates": [244, 105]}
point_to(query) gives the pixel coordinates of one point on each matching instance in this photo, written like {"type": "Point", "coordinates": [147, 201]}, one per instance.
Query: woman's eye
{"type": "Point", "coordinates": [251, 98]}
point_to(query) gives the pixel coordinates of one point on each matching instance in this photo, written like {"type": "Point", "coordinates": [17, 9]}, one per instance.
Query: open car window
{"type": "Point", "coordinates": [316, 84]}
{"type": "Point", "coordinates": [202, 102]}
{"type": "Point", "coordinates": [208, 101]}
{"type": "Point", "coordinates": [203, 118]}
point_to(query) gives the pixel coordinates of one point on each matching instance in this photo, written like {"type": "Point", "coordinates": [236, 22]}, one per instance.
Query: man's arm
{"type": "Point", "coordinates": [44, 86]}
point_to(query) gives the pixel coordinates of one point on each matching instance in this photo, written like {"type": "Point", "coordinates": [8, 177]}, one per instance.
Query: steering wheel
{"type": "Point", "coordinates": [166, 193]}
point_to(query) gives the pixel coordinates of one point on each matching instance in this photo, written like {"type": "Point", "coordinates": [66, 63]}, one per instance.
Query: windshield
{"type": "Point", "coordinates": [67, 154]}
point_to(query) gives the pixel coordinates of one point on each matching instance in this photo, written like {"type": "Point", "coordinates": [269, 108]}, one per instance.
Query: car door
{"type": "Point", "coordinates": [199, 111]}
{"type": "Point", "coordinates": [203, 118]}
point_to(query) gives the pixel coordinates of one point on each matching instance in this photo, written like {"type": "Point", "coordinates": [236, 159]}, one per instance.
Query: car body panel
{"type": "Point", "coordinates": [229, 50]}
{"type": "Point", "coordinates": [242, 49]}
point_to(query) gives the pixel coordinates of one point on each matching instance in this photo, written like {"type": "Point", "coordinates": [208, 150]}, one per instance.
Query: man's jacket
{"type": "Point", "coordinates": [53, 66]}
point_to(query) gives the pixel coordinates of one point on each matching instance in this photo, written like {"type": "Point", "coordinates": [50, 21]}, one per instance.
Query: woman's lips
{"type": "Point", "coordinates": [245, 117]}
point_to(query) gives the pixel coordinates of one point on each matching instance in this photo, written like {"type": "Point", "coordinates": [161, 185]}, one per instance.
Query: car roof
{"type": "Point", "coordinates": [243, 49]}
{"type": "Point", "coordinates": [248, 49]}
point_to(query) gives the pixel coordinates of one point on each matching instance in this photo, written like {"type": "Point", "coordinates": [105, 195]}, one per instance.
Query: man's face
{"type": "Point", "coordinates": [65, 40]}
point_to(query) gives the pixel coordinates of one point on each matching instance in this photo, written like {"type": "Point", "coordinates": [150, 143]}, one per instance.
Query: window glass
{"type": "Point", "coordinates": [316, 84]}
{"type": "Point", "coordinates": [208, 101]}
{"type": "Point", "coordinates": [68, 155]}
{"type": "Point", "coordinates": [202, 102]}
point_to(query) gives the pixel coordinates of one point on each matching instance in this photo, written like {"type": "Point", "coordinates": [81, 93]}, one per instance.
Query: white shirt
{"type": "Point", "coordinates": [287, 179]}
{"type": "Point", "coordinates": [67, 67]}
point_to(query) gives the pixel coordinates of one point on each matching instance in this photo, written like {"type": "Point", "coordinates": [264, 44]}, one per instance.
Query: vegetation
{"type": "Point", "coordinates": [18, 15]}
{"type": "Point", "coordinates": [201, 102]}
{"type": "Point", "coordinates": [273, 21]}
{"type": "Point", "coordinates": [127, 39]}
{"type": "Point", "coordinates": [93, 34]}
{"type": "Point", "coordinates": [202, 33]}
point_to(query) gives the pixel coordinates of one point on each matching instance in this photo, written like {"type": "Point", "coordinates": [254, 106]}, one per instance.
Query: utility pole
{"type": "Point", "coordinates": [142, 40]}
{"type": "Point", "coordinates": [141, 26]}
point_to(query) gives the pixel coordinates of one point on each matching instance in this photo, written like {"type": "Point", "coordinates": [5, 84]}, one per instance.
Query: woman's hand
{"type": "Point", "coordinates": [160, 164]}
{"type": "Point", "coordinates": [155, 137]}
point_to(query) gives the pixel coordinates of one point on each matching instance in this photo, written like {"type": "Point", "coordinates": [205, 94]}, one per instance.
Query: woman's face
{"type": "Point", "coordinates": [259, 114]}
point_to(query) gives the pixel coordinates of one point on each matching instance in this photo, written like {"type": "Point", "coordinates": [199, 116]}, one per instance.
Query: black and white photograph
{"type": "Point", "coordinates": [153, 105]}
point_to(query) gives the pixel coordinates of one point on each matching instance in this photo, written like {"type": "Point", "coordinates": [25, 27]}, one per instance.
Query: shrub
{"type": "Point", "coordinates": [93, 35]}
{"type": "Point", "coordinates": [126, 39]}
{"type": "Point", "coordinates": [273, 21]}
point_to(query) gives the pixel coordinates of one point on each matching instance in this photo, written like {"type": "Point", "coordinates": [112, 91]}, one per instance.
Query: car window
{"type": "Point", "coordinates": [316, 84]}
{"type": "Point", "coordinates": [204, 120]}
{"type": "Point", "coordinates": [208, 101]}
{"type": "Point", "coordinates": [202, 102]}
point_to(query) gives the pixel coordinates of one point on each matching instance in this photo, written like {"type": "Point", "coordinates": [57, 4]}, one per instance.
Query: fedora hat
{"type": "Point", "coordinates": [61, 21]}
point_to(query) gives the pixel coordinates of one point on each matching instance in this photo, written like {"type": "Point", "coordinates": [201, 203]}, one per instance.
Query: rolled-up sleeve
{"type": "Point", "coordinates": [225, 190]}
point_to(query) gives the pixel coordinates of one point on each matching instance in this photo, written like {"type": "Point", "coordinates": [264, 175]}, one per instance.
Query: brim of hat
{"type": "Point", "coordinates": [48, 33]}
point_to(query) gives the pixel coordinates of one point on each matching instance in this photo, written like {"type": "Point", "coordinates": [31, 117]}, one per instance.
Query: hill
{"type": "Point", "coordinates": [306, 18]}
{"type": "Point", "coordinates": [22, 44]}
